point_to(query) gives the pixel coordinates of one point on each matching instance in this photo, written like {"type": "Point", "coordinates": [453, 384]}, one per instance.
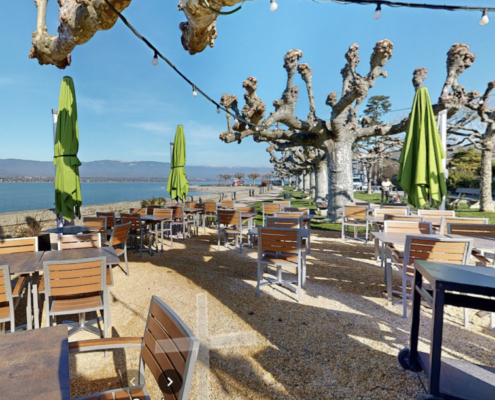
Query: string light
{"type": "Point", "coordinates": [155, 59]}
{"type": "Point", "coordinates": [273, 5]}
{"type": "Point", "coordinates": [378, 11]}
{"type": "Point", "coordinates": [159, 55]}
{"type": "Point", "coordinates": [484, 18]}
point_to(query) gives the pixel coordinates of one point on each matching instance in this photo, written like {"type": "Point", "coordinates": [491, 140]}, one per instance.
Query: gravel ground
{"type": "Point", "coordinates": [340, 342]}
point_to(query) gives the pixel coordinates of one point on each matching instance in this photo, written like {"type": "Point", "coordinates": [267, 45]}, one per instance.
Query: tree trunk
{"type": "Point", "coordinates": [321, 183]}
{"type": "Point", "coordinates": [300, 182]}
{"type": "Point", "coordinates": [305, 182]}
{"type": "Point", "coordinates": [369, 180]}
{"type": "Point", "coordinates": [486, 200]}
{"type": "Point", "coordinates": [312, 184]}
{"type": "Point", "coordinates": [339, 176]}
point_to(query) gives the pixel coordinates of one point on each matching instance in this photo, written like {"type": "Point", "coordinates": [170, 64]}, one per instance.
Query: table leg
{"type": "Point", "coordinates": [36, 308]}
{"type": "Point", "coordinates": [416, 315]}
{"type": "Point", "coordinates": [436, 340]}
{"type": "Point", "coordinates": [161, 226]}
{"type": "Point", "coordinates": [29, 310]}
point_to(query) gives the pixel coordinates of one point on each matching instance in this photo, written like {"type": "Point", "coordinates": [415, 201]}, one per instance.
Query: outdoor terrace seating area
{"type": "Point", "coordinates": [325, 322]}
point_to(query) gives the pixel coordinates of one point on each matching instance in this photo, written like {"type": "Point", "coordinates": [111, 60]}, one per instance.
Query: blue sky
{"type": "Point", "coordinates": [129, 109]}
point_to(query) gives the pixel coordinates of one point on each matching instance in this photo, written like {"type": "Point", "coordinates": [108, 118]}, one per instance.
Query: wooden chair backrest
{"type": "Point", "coordinates": [358, 203]}
{"type": "Point", "coordinates": [378, 212]}
{"type": "Point", "coordinates": [227, 203]}
{"type": "Point", "coordinates": [409, 227]}
{"type": "Point", "coordinates": [355, 212]}
{"type": "Point", "coordinates": [392, 205]}
{"type": "Point", "coordinates": [18, 245]}
{"type": "Point", "coordinates": [110, 218]}
{"type": "Point", "coordinates": [279, 240]}
{"type": "Point", "coordinates": [134, 219]}
{"type": "Point", "coordinates": [170, 349]}
{"type": "Point", "coordinates": [246, 209]}
{"type": "Point", "coordinates": [460, 220]}
{"type": "Point", "coordinates": [289, 215]}
{"type": "Point", "coordinates": [74, 277]}
{"type": "Point", "coordinates": [178, 213]}
{"type": "Point", "coordinates": [119, 234]}
{"type": "Point", "coordinates": [279, 222]}
{"type": "Point", "coordinates": [447, 250]}
{"type": "Point", "coordinates": [149, 209]}
{"type": "Point", "coordinates": [210, 206]}
{"type": "Point", "coordinates": [283, 203]}
{"type": "Point", "coordinates": [437, 213]}
{"type": "Point", "coordinates": [85, 241]}
{"type": "Point", "coordinates": [96, 222]}
{"type": "Point", "coordinates": [271, 208]}
{"type": "Point", "coordinates": [5, 285]}
{"type": "Point", "coordinates": [411, 218]}
{"type": "Point", "coordinates": [200, 206]}
{"type": "Point", "coordinates": [304, 210]}
{"type": "Point", "coordinates": [164, 212]}
{"type": "Point", "coordinates": [475, 230]}
{"type": "Point", "coordinates": [209, 201]}
{"type": "Point", "coordinates": [229, 217]}
{"type": "Point", "coordinates": [140, 211]}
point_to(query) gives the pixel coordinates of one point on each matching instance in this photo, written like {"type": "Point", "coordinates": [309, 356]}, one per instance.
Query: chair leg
{"type": "Point", "coordinates": [388, 279]}
{"type": "Point", "coordinates": [218, 240]}
{"type": "Point", "coordinates": [299, 283]}
{"type": "Point", "coordinates": [141, 247]}
{"type": "Point", "coordinates": [304, 271]}
{"type": "Point", "coordinates": [2, 327]}
{"type": "Point", "coordinates": [259, 279]}
{"type": "Point", "coordinates": [404, 293]}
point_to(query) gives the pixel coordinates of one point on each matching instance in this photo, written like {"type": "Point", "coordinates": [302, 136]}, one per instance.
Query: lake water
{"type": "Point", "coordinates": [32, 196]}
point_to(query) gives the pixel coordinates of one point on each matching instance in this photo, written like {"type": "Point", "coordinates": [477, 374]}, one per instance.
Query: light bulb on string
{"type": "Point", "coordinates": [484, 18]}
{"type": "Point", "coordinates": [218, 110]}
{"type": "Point", "coordinates": [155, 59]}
{"type": "Point", "coordinates": [247, 126]}
{"type": "Point", "coordinates": [378, 11]}
{"type": "Point", "coordinates": [273, 5]}
{"type": "Point", "coordinates": [194, 93]}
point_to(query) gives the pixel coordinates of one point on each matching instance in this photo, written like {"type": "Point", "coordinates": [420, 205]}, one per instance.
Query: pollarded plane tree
{"type": "Point", "coordinates": [81, 19]}
{"type": "Point", "coordinates": [476, 127]}
{"type": "Point", "coordinates": [384, 152]}
{"type": "Point", "coordinates": [287, 163]}
{"type": "Point", "coordinates": [337, 137]}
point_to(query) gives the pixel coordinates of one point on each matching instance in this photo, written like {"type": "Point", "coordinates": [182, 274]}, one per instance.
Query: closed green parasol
{"type": "Point", "coordinates": [421, 172]}
{"type": "Point", "coordinates": [177, 184]}
{"type": "Point", "coordinates": [67, 186]}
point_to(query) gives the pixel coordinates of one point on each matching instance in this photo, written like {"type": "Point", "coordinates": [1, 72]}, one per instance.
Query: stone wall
{"type": "Point", "coordinates": [12, 221]}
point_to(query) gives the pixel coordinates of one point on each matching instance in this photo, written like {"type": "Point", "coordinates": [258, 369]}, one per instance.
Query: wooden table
{"type": "Point", "coordinates": [448, 378]}
{"type": "Point", "coordinates": [35, 364]}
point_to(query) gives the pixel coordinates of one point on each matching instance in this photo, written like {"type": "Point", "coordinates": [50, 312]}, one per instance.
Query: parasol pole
{"type": "Point", "coordinates": [442, 129]}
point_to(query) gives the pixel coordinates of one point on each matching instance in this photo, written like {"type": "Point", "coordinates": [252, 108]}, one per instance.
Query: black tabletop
{"type": "Point", "coordinates": [70, 230]}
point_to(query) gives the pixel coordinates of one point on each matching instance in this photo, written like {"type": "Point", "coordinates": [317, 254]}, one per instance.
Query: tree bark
{"type": "Point", "coordinates": [307, 182]}
{"type": "Point", "coordinates": [339, 176]}
{"type": "Point", "coordinates": [321, 183]}
{"type": "Point", "coordinates": [300, 182]}
{"type": "Point", "coordinates": [370, 172]}
{"type": "Point", "coordinates": [486, 199]}
{"type": "Point", "coordinates": [312, 184]}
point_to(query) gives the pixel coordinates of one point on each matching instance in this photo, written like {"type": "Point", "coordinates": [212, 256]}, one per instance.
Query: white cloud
{"type": "Point", "coordinates": [98, 106]}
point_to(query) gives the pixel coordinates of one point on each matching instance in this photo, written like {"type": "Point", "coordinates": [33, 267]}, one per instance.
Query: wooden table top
{"type": "Point", "coordinates": [74, 254]}
{"type": "Point", "coordinates": [247, 215]}
{"type": "Point", "coordinates": [435, 221]}
{"type": "Point", "coordinates": [35, 364]}
{"type": "Point", "coordinates": [72, 230]}
{"type": "Point", "coordinates": [22, 263]}
{"type": "Point", "coordinates": [151, 218]}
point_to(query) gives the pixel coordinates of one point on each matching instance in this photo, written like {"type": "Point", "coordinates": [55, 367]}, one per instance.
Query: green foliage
{"type": "Point", "coordinates": [239, 175]}
{"type": "Point", "coordinates": [464, 168]}
{"type": "Point", "coordinates": [155, 201]}
{"type": "Point", "coordinates": [377, 107]}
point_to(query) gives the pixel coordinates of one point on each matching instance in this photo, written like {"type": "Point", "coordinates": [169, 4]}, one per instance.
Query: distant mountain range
{"type": "Point", "coordinates": [117, 169]}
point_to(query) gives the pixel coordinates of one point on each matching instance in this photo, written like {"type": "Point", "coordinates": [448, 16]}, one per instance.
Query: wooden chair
{"type": "Point", "coordinates": [180, 219]}
{"type": "Point", "coordinates": [118, 241]}
{"type": "Point", "coordinates": [283, 203]}
{"type": "Point", "coordinates": [246, 209]}
{"type": "Point", "coordinates": [435, 249]}
{"type": "Point", "coordinates": [381, 212]}
{"type": "Point", "coordinates": [406, 218]}
{"type": "Point", "coordinates": [149, 209]}
{"type": "Point", "coordinates": [18, 245]}
{"type": "Point", "coordinates": [281, 247]}
{"type": "Point", "coordinates": [77, 287]}
{"type": "Point", "coordinates": [210, 214]}
{"type": "Point", "coordinates": [140, 211]}
{"type": "Point", "coordinates": [198, 216]}
{"type": "Point", "coordinates": [359, 203]}
{"type": "Point", "coordinates": [460, 220]}
{"type": "Point", "coordinates": [98, 224]}
{"type": "Point", "coordinates": [269, 209]}
{"type": "Point", "coordinates": [137, 230]}
{"type": "Point", "coordinates": [165, 226]}
{"type": "Point", "coordinates": [281, 222]}
{"type": "Point", "coordinates": [168, 348]}
{"type": "Point", "coordinates": [84, 241]}
{"type": "Point", "coordinates": [304, 210]}
{"type": "Point", "coordinates": [394, 205]}
{"type": "Point", "coordinates": [111, 220]}
{"type": "Point", "coordinates": [227, 204]}
{"type": "Point", "coordinates": [11, 293]}
{"type": "Point", "coordinates": [436, 213]}
{"type": "Point", "coordinates": [477, 229]}
{"type": "Point", "coordinates": [355, 217]}
{"type": "Point", "coordinates": [409, 227]}
{"type": "Point", "coordinates": [230, 223]}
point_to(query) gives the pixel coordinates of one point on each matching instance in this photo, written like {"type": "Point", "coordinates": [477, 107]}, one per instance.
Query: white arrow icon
{"type": "Point", "coordinates": [170, 381]}
{"type": "Point", "coordinates": [132, 381]}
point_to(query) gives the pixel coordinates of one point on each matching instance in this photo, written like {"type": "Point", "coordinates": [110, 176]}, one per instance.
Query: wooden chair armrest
{"type": "Point", "coordinates": [19, 286]}
{"type": "Point", "coordinates": [104, 344]}
{"type": "Point", "coordinates": [480, 258]}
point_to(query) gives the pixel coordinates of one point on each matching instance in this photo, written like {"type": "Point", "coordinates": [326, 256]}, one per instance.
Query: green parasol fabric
{"type": "Point", "coordinates": [420, 172]}
{"type": "Point", "coordinates": [68, 198]}
{"type": "Point", "coordinates": [177, 184]}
